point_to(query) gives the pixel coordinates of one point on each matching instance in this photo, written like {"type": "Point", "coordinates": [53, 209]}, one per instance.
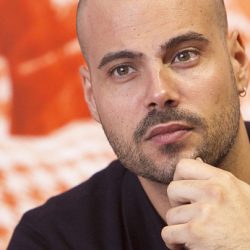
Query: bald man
{"type": "Point", "coordinates": [164, 79]}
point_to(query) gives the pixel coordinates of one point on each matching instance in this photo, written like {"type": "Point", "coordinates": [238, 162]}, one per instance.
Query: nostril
{"type": "Point", "coordinates": [161, 96]}
{"type": "Point", "coordinates": [152, 105]}
{"type": "Point", "coordinates": [170, 103]}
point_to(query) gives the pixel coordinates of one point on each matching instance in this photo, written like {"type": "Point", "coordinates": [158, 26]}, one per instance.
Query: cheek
{"type": "Point", "coordinates": [120, 105]}
{"type": "Point", "coordinates": [118, 115]}
{"type": "Point", "coordinates": [208, 86]}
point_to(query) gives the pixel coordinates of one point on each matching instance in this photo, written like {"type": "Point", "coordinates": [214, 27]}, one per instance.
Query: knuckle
{"type": "Point", "coordinates": [194, 230]}
{"type": "Point", "coordinates": [206, 210]}
{"type": "Point", "coordinates": [166, 235]}
{"type": "Point", "coordinates": [170, 189]}
{"type": "Point", "coordinates": [227, 177]}
{"type": "Point", "coordinates": [215, 192]}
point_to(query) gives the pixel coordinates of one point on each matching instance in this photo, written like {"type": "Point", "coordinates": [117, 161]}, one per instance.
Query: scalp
{"type": "Point", "coordinates": [218, 7]}
{"type": "Point", "coordinates": [79, 13]}
{"type": "Point", "coordinates": [221, 15]}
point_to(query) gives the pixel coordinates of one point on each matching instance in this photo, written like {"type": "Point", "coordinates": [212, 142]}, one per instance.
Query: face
{"type": "Point", "coordinates": [162, 82]}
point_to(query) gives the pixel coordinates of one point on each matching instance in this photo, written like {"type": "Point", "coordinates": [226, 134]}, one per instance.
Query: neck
{"type": "Point", "coordinates": [157, 194]}
{"type": "Point", "coordinates": [236, 162]}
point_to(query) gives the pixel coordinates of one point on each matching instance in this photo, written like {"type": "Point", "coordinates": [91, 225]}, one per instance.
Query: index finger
{"type": "Point", "coordinates": [190, 169]}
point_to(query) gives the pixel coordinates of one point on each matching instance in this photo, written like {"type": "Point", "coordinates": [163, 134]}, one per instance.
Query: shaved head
{"type": "Point", "coordinates": [222, 15]}
{"type": "Point", "coordinates": [152, 63]}
{"type": "Point", "coordinates": [79, 14]}
{"type": "Point", "coordinates": [219, 9]}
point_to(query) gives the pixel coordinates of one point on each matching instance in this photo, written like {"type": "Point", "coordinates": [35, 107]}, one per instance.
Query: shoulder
{"type": "Point", "coordinates": [71, 216]}
{"type": "Point", "coordinates": [96, 189]}
{"type": "Point", "coordinates": [79, 205]}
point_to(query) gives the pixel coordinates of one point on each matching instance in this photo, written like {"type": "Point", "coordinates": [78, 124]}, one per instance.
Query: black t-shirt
{"type": "Point", "coordinates": [109, 211]}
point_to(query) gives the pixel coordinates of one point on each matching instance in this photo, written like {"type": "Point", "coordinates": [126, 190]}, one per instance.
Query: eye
{"type": "Point", "coordinates": [185, 56]}
{"type": "Point", "coordinates": [122, 71]}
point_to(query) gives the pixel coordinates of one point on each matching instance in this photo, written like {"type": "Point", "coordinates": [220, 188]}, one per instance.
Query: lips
{"type": "Point", "coordinates": [168, 133]}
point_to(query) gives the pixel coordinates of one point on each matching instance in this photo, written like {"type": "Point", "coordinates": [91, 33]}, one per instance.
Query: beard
{"type": "Point", "coordinates": [219, 134]}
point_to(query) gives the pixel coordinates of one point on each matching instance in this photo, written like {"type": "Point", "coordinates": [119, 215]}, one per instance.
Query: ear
{"type": "Point", "coordinates": [239, 61]}
{"type": "Point", "coordinates": [88, 92]}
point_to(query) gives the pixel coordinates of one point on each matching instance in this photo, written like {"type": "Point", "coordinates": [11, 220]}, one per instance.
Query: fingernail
{"type": "Point", "coordinates": [199, 159]}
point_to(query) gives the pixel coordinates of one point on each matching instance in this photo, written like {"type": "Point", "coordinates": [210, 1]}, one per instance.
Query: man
{"type": "Point", "coordinates": [164, 80]}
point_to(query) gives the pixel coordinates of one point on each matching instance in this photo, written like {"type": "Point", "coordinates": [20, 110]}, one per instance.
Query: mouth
{"type": "Point", "coordinates": [169, 133]}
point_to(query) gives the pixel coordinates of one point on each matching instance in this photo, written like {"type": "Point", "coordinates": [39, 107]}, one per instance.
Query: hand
{"type": "Point", "coordinates": [210, 209]}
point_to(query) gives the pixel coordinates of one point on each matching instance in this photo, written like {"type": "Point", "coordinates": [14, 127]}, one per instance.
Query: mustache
{"type": "Point", "coordinates": [155, 117]}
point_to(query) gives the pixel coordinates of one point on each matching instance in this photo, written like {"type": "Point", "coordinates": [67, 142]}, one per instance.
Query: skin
{"type": "Point", "coordinates": [194, 81]}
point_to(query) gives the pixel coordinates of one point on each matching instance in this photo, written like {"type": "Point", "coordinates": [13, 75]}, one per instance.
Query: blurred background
{"type": "Point", "coordinates": [48, 143]}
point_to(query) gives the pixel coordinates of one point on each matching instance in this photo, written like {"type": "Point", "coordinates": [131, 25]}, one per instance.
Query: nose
{"type": "Point", "coordinates": [162, 91]}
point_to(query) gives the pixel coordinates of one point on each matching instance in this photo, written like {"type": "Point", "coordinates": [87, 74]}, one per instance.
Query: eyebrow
{"type": "Point", "coordinates": [118, 55]}
{"type": "Point", "coordinates": [171, 43]}
{"type": "Point", "coordinates": [189, 36]}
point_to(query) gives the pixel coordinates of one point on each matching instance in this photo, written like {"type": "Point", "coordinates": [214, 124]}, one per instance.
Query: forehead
{"type": "Point", "coordinates": [111, 25]}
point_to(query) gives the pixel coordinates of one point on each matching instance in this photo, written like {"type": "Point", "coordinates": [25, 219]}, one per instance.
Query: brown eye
{"type": "Point", "coordinates": [185, 56]}
{"type": "Point", "coordinates": [122, 70]}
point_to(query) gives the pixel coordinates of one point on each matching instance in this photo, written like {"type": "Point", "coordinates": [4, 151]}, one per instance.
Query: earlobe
{"type": "Point", "coordinates": [88, 92]}
{"type": "Point", "coordinates": [239, 62]}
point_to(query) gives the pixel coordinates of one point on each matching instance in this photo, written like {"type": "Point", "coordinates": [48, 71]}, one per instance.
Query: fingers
{"type": "Point", "coordinates": [190, 169]}
{"type": "Point", "coordinates": [202, 200]}
{"type": "Point", "coordinates": [197, 181]}
{"type": "Point", "coordinates": [186, 191]}
{"type": "Point", "coordinates": [182, 214]}
{"type": "Point", "coordinates": [175, 236]}
{"type": "Point", "coordinates": [183, 226]}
